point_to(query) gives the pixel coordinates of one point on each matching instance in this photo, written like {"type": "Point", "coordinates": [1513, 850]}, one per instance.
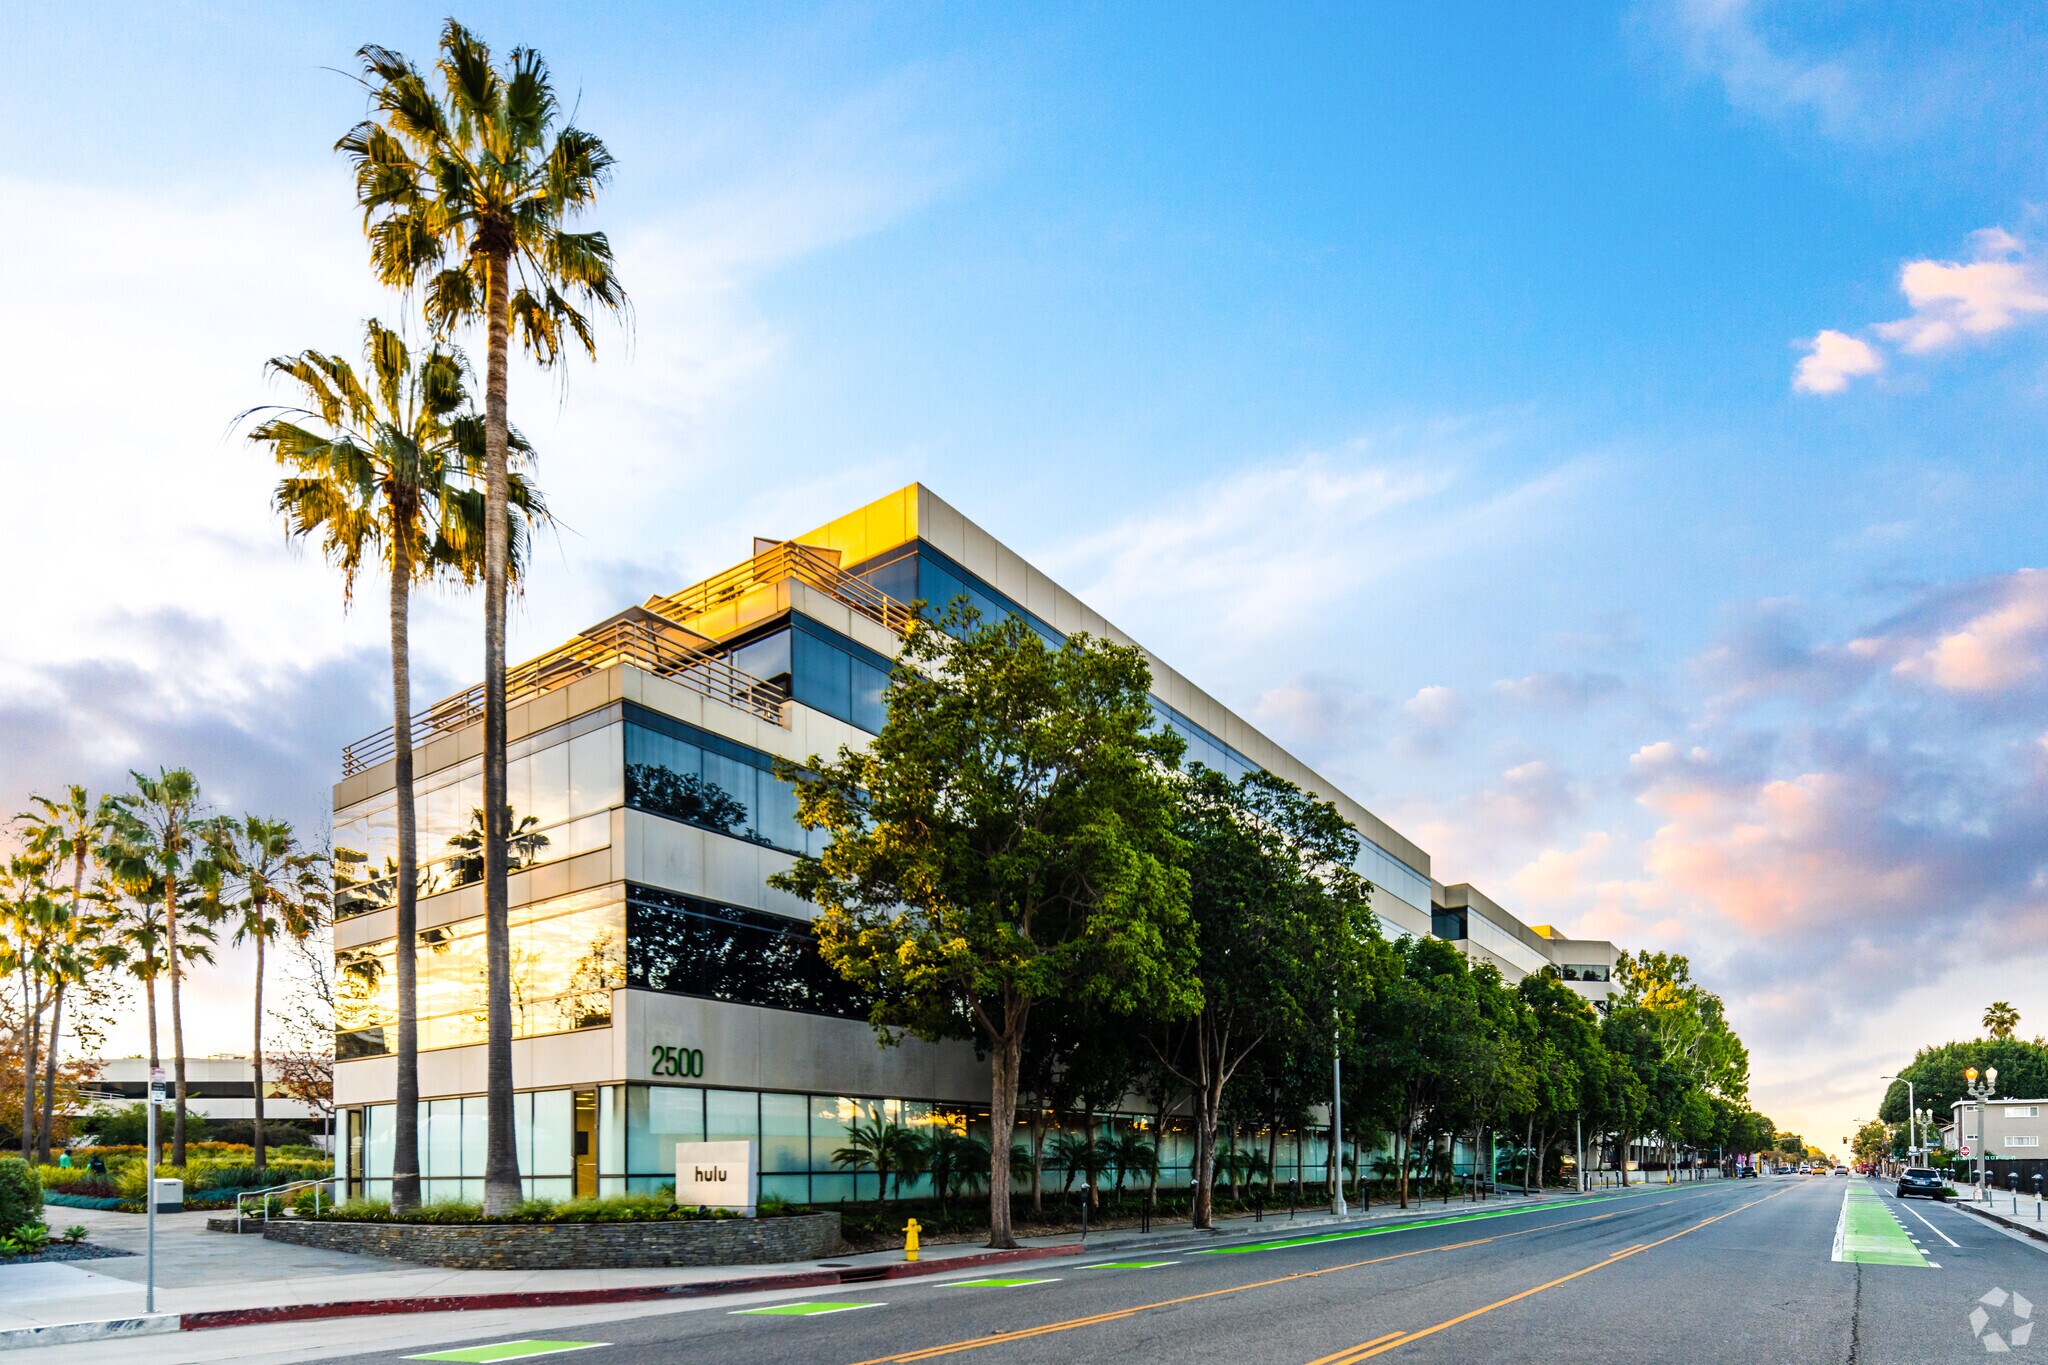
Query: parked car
{"type": "Point", "coordinates": [1748, 1173]}
{"type": "Point", "coordinates": [1922, 1181]}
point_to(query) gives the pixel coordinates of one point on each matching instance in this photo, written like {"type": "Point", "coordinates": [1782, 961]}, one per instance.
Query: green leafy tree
{"type": "Point", "coordinates": [1426, 1040]}
{"type": "Point", "coordinates": [2001, 1020]}
{"type": "Point", "coordinates": [1873, 1140]}
{"type": "Point", "coordinates": [468, 192]}
{"type": "Point", "coordinates": [1937, 1074]}
{"type": "Point", "coordinates": [32, 917]}
{"type": "Point", "coordinates": [1006, 839]}
{"type": "Point", "coordinates": [1567, 1061]}
{"type": "Point", "coordinates": [1284, 933]}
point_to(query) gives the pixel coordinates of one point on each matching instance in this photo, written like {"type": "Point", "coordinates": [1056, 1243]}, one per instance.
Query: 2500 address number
{"type": "Point", "coordinates": [678, 1061]}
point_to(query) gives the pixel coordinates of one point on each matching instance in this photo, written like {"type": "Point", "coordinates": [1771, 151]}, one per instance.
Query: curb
{"type": "Point", "coordinates": [2039, 1232]}
{"type": "Point", "coordinates": [205, 1319]}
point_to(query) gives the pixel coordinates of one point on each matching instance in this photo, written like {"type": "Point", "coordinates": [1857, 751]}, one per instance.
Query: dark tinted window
{"type": "Point", "coordinates": [685, 945]}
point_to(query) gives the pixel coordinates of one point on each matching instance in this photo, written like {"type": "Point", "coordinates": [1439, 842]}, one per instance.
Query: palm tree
{"type": "Point", "coordinates": [1132, 1155]}
{"type": "Point", "coordinates": [266, 884]}
{"type": "Point", "coordinates": [378, 464]}
{"type": "Point", "coordinates": [2001, 1020]}
{"type": "Point", "coordinates": [70, 830]}
{"type": "Point", "coordinates": [461, 189]}
{"type": "Point", "coordinates": [880, 1145]}
{"type": "Point", "coordinates": [157, 830]}
{"type": "Point", "coordinates": [30, 916]}
{"type": "Point", "coordinates": [954, 1162]}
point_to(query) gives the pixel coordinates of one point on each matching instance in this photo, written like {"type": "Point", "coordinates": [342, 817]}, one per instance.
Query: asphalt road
{"type": "Point", "coordinates": [1737, 1271]}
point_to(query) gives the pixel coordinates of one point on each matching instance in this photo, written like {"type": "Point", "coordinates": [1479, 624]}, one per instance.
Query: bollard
{"type": "Point", "coordinates": [910, 1240]}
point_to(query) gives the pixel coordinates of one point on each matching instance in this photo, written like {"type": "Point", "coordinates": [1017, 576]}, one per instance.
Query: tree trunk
{"type": "Point", "coordinates": [30, 1027]}
{"type": "Point", "coordinates": [1402, 1141]}
{"type": "Point", "coordinates": [256, 1049]}
{"type": "Point", "coordinates": [1004, 1060]}
{"type": "Point", "coordinates": [1273, 1158]}
{"type": "Point", "coordinates": [50, 1074]}
{"type": "Point", "coordinates": [149, 999]}
{"type": "Point", "coordinates": [501, 1154]}
{"type": "Point", "coordinates": [172, 832]}
{"type": "Point", "coordinates": [1158, 1146]}
{"type": "Point", "coordinates": [405, 1124]}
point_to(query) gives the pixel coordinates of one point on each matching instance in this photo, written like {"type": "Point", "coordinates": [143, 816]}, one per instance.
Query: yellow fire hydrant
{"type": "Point", "coordinates": [910, 1240]}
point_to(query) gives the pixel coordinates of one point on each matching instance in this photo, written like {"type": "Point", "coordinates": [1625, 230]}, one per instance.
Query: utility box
{"type": "Point", "coordinates": [167, 1195]}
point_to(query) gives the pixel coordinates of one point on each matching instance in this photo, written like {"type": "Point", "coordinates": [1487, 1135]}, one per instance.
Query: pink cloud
{"type": "Point", "coordinates": [1994, 650]}
{"type": "Point", "coordinates": [1832, 359]}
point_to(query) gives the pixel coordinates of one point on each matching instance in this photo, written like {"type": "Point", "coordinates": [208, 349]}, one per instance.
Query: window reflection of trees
{"type": "Point", "coordinates": [687, 946]}
{"type": "Point", "coordinates": [565, 964]}
{"type": "Point", "coordinates": [686, 797]}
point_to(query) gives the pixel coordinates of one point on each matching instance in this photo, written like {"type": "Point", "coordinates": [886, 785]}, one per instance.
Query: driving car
{"type": "Point", "coordinates": [1748, 1173]}
{"type": "Point", "coordinates": [1922, 1181]}
{"type": "Point", "coordinates": [1841, 1170]}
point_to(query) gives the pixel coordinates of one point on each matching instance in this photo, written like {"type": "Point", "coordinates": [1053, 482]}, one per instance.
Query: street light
{"type": "Point", "coordinates": [1912, 1116]}
{"type": "Point", "coordinates": [1981, 1091]}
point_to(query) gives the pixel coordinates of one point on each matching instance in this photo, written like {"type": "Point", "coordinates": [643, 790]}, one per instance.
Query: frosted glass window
{"type": "Point", "coordinates": [657, 1118]}
{"type": "Point", "coordinates": [377, 1141]}
{"type": "Point", "coordinates": [785, 1133]}
{"type": "Point", "coordinates": [476, 1132]}
{"type": "Point", "coordinates": [441, 1138]}
{"type": "Point", "coordinates": [554, 1134]}
{"type": "Point", "coordinates": [595, 770]}
{"type": "Point", "coordinates": [830, 1118]}
{"type": "Point", "coordinates": [547, 795]}
{"type": "Point", "coordinates": [731, 1116]}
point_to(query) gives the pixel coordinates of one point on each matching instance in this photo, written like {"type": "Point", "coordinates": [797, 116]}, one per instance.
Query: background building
{"type": "Point", "coordinates": [222, 1086]}
{"type": "Point", "coordinates": [662, 991]}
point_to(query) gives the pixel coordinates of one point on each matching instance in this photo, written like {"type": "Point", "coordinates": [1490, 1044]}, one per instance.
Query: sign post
{"type": "Point", "coordinates": [156, 1098]}
{"type": "Point", "coordinates": [719, 1175]}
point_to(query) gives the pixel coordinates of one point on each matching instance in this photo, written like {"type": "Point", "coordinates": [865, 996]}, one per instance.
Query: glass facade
{"type": "Point", "coordinates": [675, 770]}
{"type": "Point", "coordinates": [686, 945]}
{"type": "Point", "coordinates": [822, 669]}
{"type": "Point", "coordinates": [452, 1137]}
{"type": "Point", "coordinates": [917, 572]}
{"type": "Point", "coordinates": [568, 955]}
{"type": "Point", "coordinates": [560, 782]}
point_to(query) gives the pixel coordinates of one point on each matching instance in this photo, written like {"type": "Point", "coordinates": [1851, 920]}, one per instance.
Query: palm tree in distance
{"type": "Point", "coordinates": [157, 829]}
{"type": "Point", "coordinates": [266, 884]}
{"type": "Point", "coordinates": [462, 189]}
{"type": "Point", "coordinates": [2001, 1020]}
{"type": "Point", "coordinates": [69, 831]}
{"type": "Point", "coordinates": [381, 466]}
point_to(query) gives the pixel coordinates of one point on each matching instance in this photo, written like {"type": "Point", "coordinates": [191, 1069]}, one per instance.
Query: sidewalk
{"type": "Point", "coordinates": [2021, 1213]}
{"type": "Point", "coordinates": [212, 1279]}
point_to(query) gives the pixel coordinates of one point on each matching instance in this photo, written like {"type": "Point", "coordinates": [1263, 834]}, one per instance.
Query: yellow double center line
{"type": "Point", "coordinates": [1115, 1315]}
{"type": "Point", "coordinates": [1366, 1350]}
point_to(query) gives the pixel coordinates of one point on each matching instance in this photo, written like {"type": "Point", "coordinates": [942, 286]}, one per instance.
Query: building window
{"type": "Point", "coordinates": [2034, 1141]}
{"type": "Point", "coordinates": [685, 945]}
{"type": "Point", "coordinates": [1582, 972]}
{"type": "Point", "coordinates": [568, 955]}
{"type": "Point", "coordinates": [683, 773]}
{"type": "Point", "coordinates": [2023, 1111]}
{"type": "Point", "coordinates": [561, 783]}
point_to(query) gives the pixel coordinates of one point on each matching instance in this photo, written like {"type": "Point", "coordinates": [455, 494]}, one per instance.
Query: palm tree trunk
{"type": "Point", "coordinates": [29, 1028]}
{"type": "Point", "coordinates": [50, 1075]}
{"type": "Point", "coordinates": [149, 997]}
{"type": "Point", "coordinates": [405, 1129]}
{"type": "Point", "coordinates": [1005, 1060]}
{"type": "Point", "coordinates": [177, 1010]}
{"type": "Point", "coordinates": [256, 1050]}
{"type": "Point", "coordinates": [501, 1153]}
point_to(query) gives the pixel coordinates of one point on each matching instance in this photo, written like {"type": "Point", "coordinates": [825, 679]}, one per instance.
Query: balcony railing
{"type": "Point", "coordinates": [778, 562]}
{"type": "Point", "coordinates": [636, 636]}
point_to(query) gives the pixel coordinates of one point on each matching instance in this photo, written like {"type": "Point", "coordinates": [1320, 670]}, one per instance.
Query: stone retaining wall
{"type": "Point", "coordinates": [574, 1246]}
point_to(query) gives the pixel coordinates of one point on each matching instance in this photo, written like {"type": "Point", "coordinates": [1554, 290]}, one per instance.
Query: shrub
{"type": "Point", "coordinates": [129, 1125]}
{"type": "Point", "coordinates": [75, 1233]}
{"type": "Point", "coordinates": [275, 1134]}
{"type": "Point", "coordinates": [29, 1237]}
{"type": "Point", "coordinates": [21, 1194]}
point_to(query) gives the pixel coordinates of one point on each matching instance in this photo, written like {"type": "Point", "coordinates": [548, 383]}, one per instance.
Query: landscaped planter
{"type": "Point", "coordinates": [573, 1246]}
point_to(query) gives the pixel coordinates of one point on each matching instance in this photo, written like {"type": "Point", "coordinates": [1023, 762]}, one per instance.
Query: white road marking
{"type": "Point", "coordinates": [1930, 1227]}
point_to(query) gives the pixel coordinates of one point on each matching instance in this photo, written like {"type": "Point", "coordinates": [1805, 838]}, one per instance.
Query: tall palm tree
{"type": "Point", "coordinates": [267, 884]}
{"type": "Point", "coordinates": [30, 917]}
{"type": "Point", "coordinates": [380, 464]}
{"type": "Point", "coordinates": [462, 189]}
{"type": "Point", "coordinates": [2001, 1020]}
{"type": "Point", "coordinates": [158, 831]}
{"type": "Point", "coordinates": [70, 831]}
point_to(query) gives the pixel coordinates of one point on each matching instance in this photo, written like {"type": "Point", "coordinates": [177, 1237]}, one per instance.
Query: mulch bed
{"type": "Point", "coordinates": [65, 1251]}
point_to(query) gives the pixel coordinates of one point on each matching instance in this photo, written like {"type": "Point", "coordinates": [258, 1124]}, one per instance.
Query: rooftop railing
{"type": "Point", "coordinates": [778, 562]}
{"type": "Point", "coordinates": [642, 638]}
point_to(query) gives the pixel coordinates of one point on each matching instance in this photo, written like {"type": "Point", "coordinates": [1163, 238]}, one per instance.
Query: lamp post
{"type": "Point", "coordinates": [1981, 1091]}
{"type": "Point", "coordinates": [1912, 1116]}
{"type": "Point", "coordinates": [1337, 1208]}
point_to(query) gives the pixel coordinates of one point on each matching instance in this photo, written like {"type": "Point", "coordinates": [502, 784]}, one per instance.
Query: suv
{"type": "Point", "coordinates": [1921, 1180]}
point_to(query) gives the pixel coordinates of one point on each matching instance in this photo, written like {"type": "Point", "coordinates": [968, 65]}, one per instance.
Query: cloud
{"type": "Point", "coordinates": [1981, 639]}
{"type": "Point", "coordinates": [1952, 302]}
{"type": "Point", "coordinates": [1435, 707]}
{"type": "Point", "coordinates": [1763, 73]}
{"type": "Point", "coordinates": [1832, 359]}
{"type": "Point", "coordinates": [1560, 691]}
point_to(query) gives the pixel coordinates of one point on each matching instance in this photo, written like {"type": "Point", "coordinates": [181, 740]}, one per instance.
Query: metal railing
{"type": "Point", "coordinates": [265, 1195]}
{"type": "Point", "coordinates": [637, 636]}
{"type": "Point", "coordinates": [774, 564]}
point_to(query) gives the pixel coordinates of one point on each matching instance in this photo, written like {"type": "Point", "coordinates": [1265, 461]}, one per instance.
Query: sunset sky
{"type": "Point", "coordinates": [1606, 440]}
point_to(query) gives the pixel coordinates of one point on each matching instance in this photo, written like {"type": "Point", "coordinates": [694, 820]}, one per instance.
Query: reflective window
{"type": "Point", "coordinates": [568, 955]}
{"type": "Point", "coordinates": [559, 783]}
{"type": "Point", "coordinates": [676, 770]}
{"type": "Point", "coordinates": [689, 946]}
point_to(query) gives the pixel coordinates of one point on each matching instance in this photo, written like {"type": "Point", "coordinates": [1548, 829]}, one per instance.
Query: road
{"type": "Point", "coordinates": [1781, 1269]}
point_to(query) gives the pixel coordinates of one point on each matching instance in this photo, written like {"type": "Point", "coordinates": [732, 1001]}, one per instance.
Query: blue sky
{"type": "Point", "coordinates": [1603, 439]}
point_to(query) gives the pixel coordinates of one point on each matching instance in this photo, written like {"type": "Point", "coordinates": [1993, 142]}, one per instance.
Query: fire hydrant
{"type": "Point", "coordinates": [910, 1240]}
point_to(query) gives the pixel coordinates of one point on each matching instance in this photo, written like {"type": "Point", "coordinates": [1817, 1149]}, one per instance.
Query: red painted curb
{"type": "Point", "coordinates": [640, 1293]}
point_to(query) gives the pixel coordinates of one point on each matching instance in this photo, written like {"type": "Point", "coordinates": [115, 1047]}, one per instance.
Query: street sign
{"type": "Point", "coordinates": [1963, 1150]}
{"type": "Point", "coordinates": [156, 1092]}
